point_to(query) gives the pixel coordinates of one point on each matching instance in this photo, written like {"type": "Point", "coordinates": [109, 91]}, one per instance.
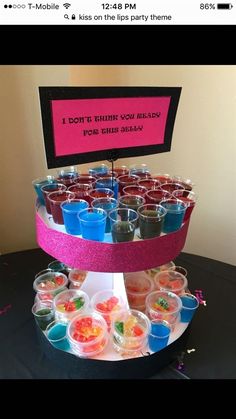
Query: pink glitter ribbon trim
{"type": "Point", "coordinates": [96, 256]}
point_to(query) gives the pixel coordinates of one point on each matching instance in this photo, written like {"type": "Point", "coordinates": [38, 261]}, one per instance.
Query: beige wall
{"type": "Point", "coordinates": [203, 145]}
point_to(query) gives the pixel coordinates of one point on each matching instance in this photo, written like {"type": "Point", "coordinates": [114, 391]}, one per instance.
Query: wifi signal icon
{"type": "Point", "coordinates": [67, 5]}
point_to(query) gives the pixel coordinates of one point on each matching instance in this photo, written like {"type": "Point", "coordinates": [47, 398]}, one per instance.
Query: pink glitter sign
{"type": "Point", "coordinates": [85, 125]}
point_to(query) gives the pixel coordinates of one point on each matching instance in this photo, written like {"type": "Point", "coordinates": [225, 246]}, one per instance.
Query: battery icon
{"type": "Point", "coordinates": [224, 6]}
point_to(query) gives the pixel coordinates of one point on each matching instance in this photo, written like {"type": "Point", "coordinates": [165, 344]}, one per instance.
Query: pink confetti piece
{"type": "Point", "coordinates": [4, 309]}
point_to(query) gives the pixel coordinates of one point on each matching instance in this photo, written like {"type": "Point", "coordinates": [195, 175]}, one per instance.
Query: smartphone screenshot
{"type": "Point", "coordinates": [101, 12]}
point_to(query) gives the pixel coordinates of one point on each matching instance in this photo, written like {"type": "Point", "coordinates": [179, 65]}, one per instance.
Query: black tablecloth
{"type": "Point", "coordinates": [211, 346]}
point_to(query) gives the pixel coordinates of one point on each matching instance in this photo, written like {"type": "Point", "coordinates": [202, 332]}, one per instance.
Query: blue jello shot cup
{"type": "Point", "coordinates": [39, 183]}
{"type": "Point", "coordinates": [175, 214]}
{"type": "Point", "coordinates": [159, 336]}
{"type": "Point", "coordinates": [190, 304]}
{"type": "Point", "coordinates": [70, 211]}
{"type": "Point", "coordinates": [109, 182]}
{"type": "Point", "coordinates": [108, 204]}
{"type": "Point", "coordinates": [93, 223]}
{"type": "Point", "coordinates": [56, 334]}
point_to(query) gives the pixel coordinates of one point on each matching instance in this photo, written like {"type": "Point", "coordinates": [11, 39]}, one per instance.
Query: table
{"type": "Point", "coordinates": [211, 345]}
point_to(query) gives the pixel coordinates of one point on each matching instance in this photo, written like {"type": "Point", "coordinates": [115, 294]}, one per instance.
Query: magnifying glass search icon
{"type": "Point", "coordinates": [66, 17]}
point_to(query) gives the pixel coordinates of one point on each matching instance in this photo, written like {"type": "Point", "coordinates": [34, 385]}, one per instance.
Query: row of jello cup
{"type": "Point", "coordinates": [84, 326]}
{"type": "Point", "coordinates": [168, 277]}
{"type": "Point", "coordinates": [64, 203]}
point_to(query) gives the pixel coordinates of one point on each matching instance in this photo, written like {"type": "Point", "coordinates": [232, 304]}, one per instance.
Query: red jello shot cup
{"type": "Point", "coordinates": [164, 305]}
{"type": "Point", "coordinates": [55, 199]}
{"type": "Point", "coordinates": [81, 190]}
{"type": "Point", "coordinates": [108, 304]}
{"type": "Point", "coordinates": [134, 190]}
{"type": "Point", "coordinates": [171, 187]}
{"type": "Point", "coordinates": [70, 303]}
{"type": "Point", "coordinates": [149, 184]}
{"type": "Point", "coordinates": [49, 188]}
{"type": "Point", "coordinates": [87, 334]}
{"type": "Point", "coordinates": [127, 180]}
{"type": "Point", "coordinates": [138, 285]}
{"type": "Point", "coordinates": [172, 281]}
{"type": "Point", "coordinates": [162, 178]}
{"type": "Point", "coordinates": [155, 196]}
{"type": "Point", "coordinates": [48, 284]}
{"type": "Point", "coordinates": [100, 193]}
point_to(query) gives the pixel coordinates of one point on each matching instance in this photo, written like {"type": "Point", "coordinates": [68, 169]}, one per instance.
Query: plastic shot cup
{"type": "Point", "coordinates": [56, 333]}
{"type": "Point", "coordinates": [49, 188]}
{"type": "Point", "coordinates": [108, 204]}
{"type": "Point", "coordinates": [172, 281]}
{"type": "Point", "coordinates": [130, 330]}
{"type": "Point", "coordinates": [163, 305]}
{"type": "Point", "coordinates": [175, 214]}
{"type": "Point", "coordinates": [43, 313]}
{"type": "Point", "coordinates": [122, 231]}
{"type": "Point", "coordinates": [189, 198]}
{"type": "Point", "coordinates": [140, 170]}
{"type": "Point", "coordinates": [108, 182]}
{"type": "Point", "coordinates": [87, 180]}
{"type": "Point", "coordinates": [171, 187]}
{"type": "Point", "coordinates": [98, 170]}
{"type": "Point", "coordinates": [124, 214]}
{"type": "Point", "coordinates": [100, 193]}
{"type": "Point", "coordinates": [108, 304]}
{"type": "Point", "coordinates": [138, 285]}
{"type": "Point", "coordinates": [55, 199]}
{"type": "Point", "coordinates": [48, 284]}
{"type": "Point", "coordinates": [159, 336]}
{"type": "Point", "coordinates": [162, 177]}
{"type": "Point", "coordinates": [70, 211]}
{"type": "Point", "coordinates": [76, 278]}
{"type": "Point", "coordinates": [69, 303]}
{"type": "Point", "coordinates": [149, 183]}
{"type": "Point", "coordinates": [123, 223]}
{"type": "Point", "coordinates": [155, 196]}
{"type": "Point", "coordinates": [131, 201]}
{"type": "Point", "coordinates": [87, 334]}
{"type": "Point", "coordinates": [57, 266]}
{"type": "Point", "coordinates": [93, 223]}
{"type": "Point", "coordinates": [190, 304]}
{"type": "Point", "coordinates": [81, 191]}
{"type": "Point", "coordinates": [167, 266]}
{"type": "Point", "coordinates": [151, 219]}
{"type": "Point", "coordinates": [68, 176]}
{"type": "Point", "coordinates": [127, 180]}
{"type": "Point", "coordinates": [134, 190]}
{"type": "Point", "coordinates": [38, 183]}
{"type": "Point", "coordinates": [121, 170]}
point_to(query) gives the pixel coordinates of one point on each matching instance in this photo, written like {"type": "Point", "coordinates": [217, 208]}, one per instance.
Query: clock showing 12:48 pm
{"type": "Point", "coordinates": [118, 6]}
